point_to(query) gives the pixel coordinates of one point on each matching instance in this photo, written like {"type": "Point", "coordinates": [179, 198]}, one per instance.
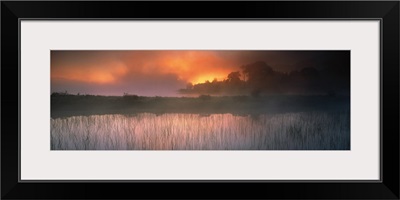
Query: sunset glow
{"type": "Point", "coordinates": [195, 66]}
{"type": "Point", "coordinates": [104, 73]}
{"type": "Point", "coordinates": [208, 77]}
{"type": "Point", "coordinates": [200, 100]}
{"type": "Point", "coordinates": [163, 72]}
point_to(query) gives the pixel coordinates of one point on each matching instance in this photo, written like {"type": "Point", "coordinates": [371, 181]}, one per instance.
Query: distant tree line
{"type": "Point", "coordinates": [260, 78]}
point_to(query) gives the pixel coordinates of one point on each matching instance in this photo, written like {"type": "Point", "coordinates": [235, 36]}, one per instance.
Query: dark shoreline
{"type": "Point", "coordinates": [77, 105]}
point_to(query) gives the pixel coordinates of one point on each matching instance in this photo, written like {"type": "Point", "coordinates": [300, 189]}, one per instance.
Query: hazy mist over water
{"type": "Point", "coordinates": [200, 100]}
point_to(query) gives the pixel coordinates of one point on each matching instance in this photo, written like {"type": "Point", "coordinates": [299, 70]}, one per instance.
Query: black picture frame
{"type": "Point", "coordinates": [386, 11]}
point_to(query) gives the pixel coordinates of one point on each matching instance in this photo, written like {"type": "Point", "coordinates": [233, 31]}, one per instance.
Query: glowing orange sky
{"type": "Point", "coordinates": [160, 72]}
{"type": "Point", "coordinates": [104, 73]}
{"type": "Point", "coordinates": [196, 66]}
{"type": "Point", "coordinates": [190, 66]}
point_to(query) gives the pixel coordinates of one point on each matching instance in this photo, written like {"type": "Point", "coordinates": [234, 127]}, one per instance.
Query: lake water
{"type": "Point", "coordinates": [146, 131]}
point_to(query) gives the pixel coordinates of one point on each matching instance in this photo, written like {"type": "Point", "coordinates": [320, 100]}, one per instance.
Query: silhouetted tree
{"type": "Point", "coordinates": [189, 86]}
{"type": "Point", "coordinates": [262, 78]}
{"type": "Point", "coordinates": [257, 72]}
{"type": "Point", "coordinates": [234, 77]}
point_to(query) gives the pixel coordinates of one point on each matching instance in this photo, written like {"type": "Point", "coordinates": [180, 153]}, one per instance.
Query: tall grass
{"type": "Point", "coordinates": [291, 131]}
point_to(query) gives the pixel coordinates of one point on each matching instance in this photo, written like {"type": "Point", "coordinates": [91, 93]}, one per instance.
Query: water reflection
{"type": "Point", "coordinates": [145, 131]}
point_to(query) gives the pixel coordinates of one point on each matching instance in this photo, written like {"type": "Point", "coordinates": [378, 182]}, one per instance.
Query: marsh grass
{"type": "Point", "coordinates": [145, 131]}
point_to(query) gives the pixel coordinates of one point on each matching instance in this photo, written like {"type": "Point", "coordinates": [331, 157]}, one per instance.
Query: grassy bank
{"type": "Point", "coordinates": [73, 105]}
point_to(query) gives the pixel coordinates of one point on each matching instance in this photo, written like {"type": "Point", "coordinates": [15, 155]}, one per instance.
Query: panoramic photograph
{"type": "Point", "coordinates": [200, 100]}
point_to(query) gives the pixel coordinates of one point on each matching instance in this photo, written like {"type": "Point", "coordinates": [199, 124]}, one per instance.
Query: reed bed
{"type": "Point", "coordinates": [146, 131]}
